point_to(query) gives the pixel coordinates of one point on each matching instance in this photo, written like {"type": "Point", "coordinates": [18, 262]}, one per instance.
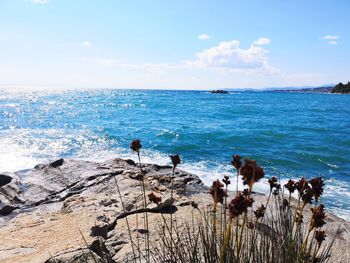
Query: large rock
{"type": "Point", "coordinates": [10, 199]}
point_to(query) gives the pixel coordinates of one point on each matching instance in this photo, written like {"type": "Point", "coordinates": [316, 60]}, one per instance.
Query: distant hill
{"type": "Point", "coordinates": [341, 88]}
{"type": "Point", "coordinates": [307, 89]}
{"type": "Point", "coordinates": [328, 88]}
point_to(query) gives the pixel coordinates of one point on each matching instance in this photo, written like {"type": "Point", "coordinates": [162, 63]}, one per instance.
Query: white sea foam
{"type": "Point", "coordinates": [23, 149]}
{"type": "Point", "coordinates": [13, 157]}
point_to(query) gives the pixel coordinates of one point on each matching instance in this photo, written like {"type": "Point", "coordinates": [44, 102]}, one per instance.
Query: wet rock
{"type": "Point", "coordinates": [7, 209]}
{"type": "Point", "coordinates": [56, 163]}
{"type": "Point", "coordinates": [5, 179]}
{"type": "Point", "coordinates": [131, 162]}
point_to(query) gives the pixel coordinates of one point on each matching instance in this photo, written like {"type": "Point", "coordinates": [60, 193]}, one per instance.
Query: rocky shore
{"type": "Point", "coordinates": [70, 210]}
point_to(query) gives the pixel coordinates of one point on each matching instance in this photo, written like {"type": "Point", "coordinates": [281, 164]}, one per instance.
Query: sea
{"type": "Point", "coordinates": [291, 135]}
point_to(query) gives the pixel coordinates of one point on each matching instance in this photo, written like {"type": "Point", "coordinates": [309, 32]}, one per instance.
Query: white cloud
{"type": "Point", "coordinates": [332, 40]}
{"type": "Point", "coordinates": [204, 37]}
{"type": "Point", "coordinates": [229, 55]}
{"type": "Point", "coordinates": [328, 37]}
{"type": "Point", "coordinates": [40, 1]}
{"type": "Point", "coordinates": [106, 61]}
{"type": "Point", "coordinates": [262, 41]}
{"type": "Point", "coordinates": [86, 44]}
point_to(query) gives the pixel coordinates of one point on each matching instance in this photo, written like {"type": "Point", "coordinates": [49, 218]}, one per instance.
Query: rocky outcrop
{"type": "Point", "coordinates": [56, 212]}
{"type": "Point", "coordinates": [71, 211]}
{"type": "Point", "coordinates": [341, 88]}
{"type": "Point", "coordinates": [220, 91]}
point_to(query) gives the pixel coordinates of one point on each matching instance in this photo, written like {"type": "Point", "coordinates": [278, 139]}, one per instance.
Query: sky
{"type": "Point", "coordinates": [174, 44]}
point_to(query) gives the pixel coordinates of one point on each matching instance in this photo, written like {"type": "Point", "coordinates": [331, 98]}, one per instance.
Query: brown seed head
{"type": "Point", "coordinates": [135, 145]}
{"type": "Point", "coordinates": [226, 180]}
{"type": "Point", "coordinates": [320, 236]}
{"type": "Point", "coordinates": [246, 192]}
{"type": "Point", "coordinates": [290, 186]}
{"type": "Point", "coordinates": [307, 195]}
{"type": "Point", "coordinates": [154, 199]}
{"type": "Point", "coordinates": [218, 193]}
{"type": "Point", "coordinates": [276, 192]}
{"type": "Point", "coordinates": [301, 185]}
{"type": "Point", "coordinates": [239, 205]}
{"type": "Point", "coordinates": [318, 217]}
{"type": "Point", "coordinates": [236, 161]}
{"type": "Point", "coordinates": [251, 172]}
{"type": "Point", "coordinates": [317, 185]}
{"type": "Point", "coordinates": [260, 212]}
{"type": "Point", "coordinates": [175, 159]}
{"type": "Point", "coordinates": [273, 183]}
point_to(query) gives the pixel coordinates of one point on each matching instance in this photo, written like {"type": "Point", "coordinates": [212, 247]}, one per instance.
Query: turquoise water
{"type": "Point", "coordinates": [289, 134]}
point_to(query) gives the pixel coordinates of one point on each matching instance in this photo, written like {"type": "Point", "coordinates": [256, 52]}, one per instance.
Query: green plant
{"type": "Point", "coordinates": [273, 232]}
{"type": "Point", "coordinates": [235, 230]}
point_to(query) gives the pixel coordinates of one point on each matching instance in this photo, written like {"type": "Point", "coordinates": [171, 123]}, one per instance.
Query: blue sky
{"type": "Point", "coordinates": [173, 44]}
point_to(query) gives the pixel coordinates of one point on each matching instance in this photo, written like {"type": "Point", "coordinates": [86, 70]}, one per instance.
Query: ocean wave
{"type": "Point", "coordinates": [167, 133]}
{"type": "Point", "coordinates": [23, 149]}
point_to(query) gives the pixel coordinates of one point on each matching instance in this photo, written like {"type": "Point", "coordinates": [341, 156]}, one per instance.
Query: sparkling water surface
{"type": "Point", "coordinates": [290, 134]}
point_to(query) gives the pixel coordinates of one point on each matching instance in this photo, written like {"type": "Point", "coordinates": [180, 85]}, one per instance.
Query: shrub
{"type": "Point", "coordinates": [273, 232]}
{"type": "Point", "coordinates": [233, 230]}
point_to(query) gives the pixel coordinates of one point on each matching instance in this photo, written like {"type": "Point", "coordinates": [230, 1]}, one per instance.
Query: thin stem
{"type": "Point", "coordinates": [171, 215]}
{"type": "Point", "coordinates": [145, 206]}
{"type": "Point", "coordinates": [317, 248]}
{"type": "Point", "coordinates": [213, 238]}
{"type": "Point", "coordinates": [241, 235]}
{"type": "Point", "coordinates": [226, 241]}
{"type": "Point", "coordinates": [236, 234]}
{"type": "Point", "coordinates": [304, 245]}
{"type": "Point", "coordinates": [225, 206]}
{"type": "Point", "coordinates": [290, 197]}
{"type": "Point", "coordinates": [268, 200]}
{"type": "Point", "coordinates": [295, 213]}
{"type": "Point", "coordinates": [305, 241]}
{"type": "Point", "coordinates": [87, 246]}
{"type": "Point", "coordinates": [137, 232]}
{"type": "Point", "coordinates": [237, 182]}
{"type": "Point", "coordinates": [126, 218]}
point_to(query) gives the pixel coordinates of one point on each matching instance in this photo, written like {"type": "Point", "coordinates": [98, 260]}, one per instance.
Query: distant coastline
{"type": "Point", "coordinates": [339, 88]}
{"type": "Point", "coordinates": [307, 90]}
